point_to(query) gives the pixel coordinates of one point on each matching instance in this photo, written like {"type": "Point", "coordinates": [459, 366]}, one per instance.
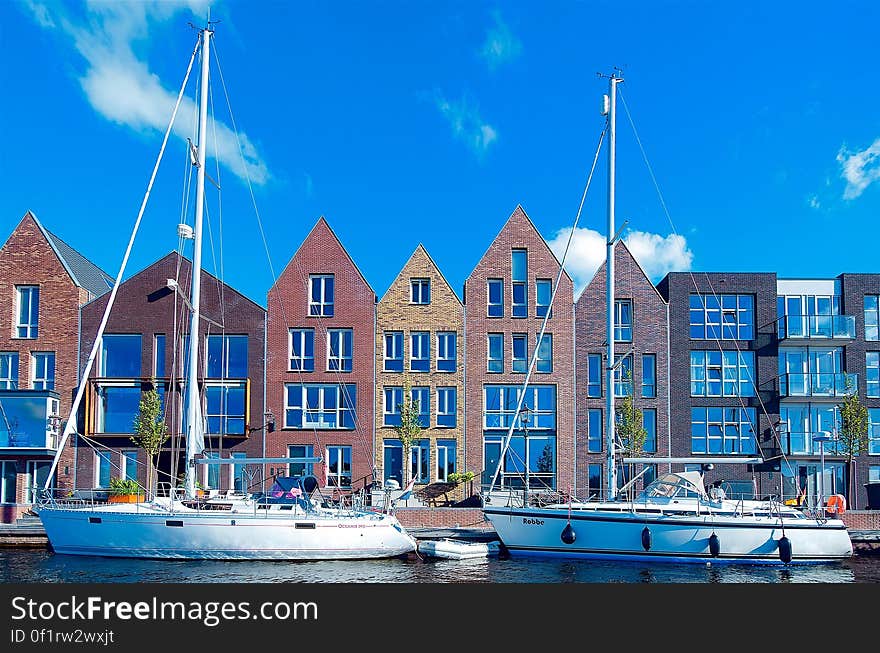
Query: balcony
{"type": "Point", "coordinates": [800, 443]}
{"type": "Point", "coordinates": [824, 328]}
{"type": "Point", "coordinates": [29, 422]}
{"type": "Point", "coordinates": [817, 385]}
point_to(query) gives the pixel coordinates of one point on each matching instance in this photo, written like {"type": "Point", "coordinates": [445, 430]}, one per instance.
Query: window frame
{"type": "Point", "coordinates": [47, 381]}
{"type": "Point", "coordinates": [305, 335]}
{"type": "Point", "coordinates": [10, 360]}
{"type": "Point", "coordinates": [342, 362]}
{"type": "Point", "coordinates": [322, 307]}
{"type": "Point", "coordinates": [31, 325]}
{"type": "Point", "coordinates": [442, 342]}
{"type": "Point", "coordinates": [424, 285]}
{"type": "Point", "coordinates": [424, 351]}
{"type": "Point", "coordinates": [397, 341]}
{"type": "Point", "coordinates": [541, 310]}
{"type": "Point", "coordinates": [497, 337]}
{"type": "Point", "coordinates": [443, 408]}
{"type": "Point", "coordinates": [622, 329]}
{"type": "Point", "coordinates": [494, 309]}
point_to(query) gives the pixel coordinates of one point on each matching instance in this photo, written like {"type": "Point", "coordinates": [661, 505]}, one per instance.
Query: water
{"type": "Point", "coordinates": [39, 566]}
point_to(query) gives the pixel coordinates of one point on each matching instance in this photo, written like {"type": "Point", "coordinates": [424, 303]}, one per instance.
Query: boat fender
{"type": "Point", "coordinates": [568, 536]}
{"type": "Point", "coordinates": [714, 545]}
{"type": "Point", "coordinates": [785, 549]}
{"type": "Point", "coordinates": [646, 538]}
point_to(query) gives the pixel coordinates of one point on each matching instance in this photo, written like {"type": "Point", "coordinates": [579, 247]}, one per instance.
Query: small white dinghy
{"type": "Point", "coordinates": [458, 549]}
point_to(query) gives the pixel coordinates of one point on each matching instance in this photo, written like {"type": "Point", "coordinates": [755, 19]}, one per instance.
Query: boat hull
{"type": "Point", "coordinates": [456, 550]}
{"type": "Point", "coordinates": [601, 534]}
{"type": "Point", "coordinates": [222, 536]}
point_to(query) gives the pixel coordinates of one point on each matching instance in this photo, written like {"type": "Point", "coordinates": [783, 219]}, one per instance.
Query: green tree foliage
{"type": "Point", "coordinates": [409, 430]}
{"type": "Point", "coordinates": [853, 433]}
{"type": "Point", "coordinates": [150, 432]}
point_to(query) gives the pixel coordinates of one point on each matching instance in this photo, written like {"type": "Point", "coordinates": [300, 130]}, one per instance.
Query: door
{"type": "Point", "coordinates": [793, 372]}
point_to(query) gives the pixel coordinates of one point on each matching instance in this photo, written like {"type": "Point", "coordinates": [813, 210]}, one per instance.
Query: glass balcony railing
{"type": "Point", "coordinates": [817, 384]}
{"type": "Point", "coordinates": [800, 443]}
{"type": "Point", "coordinates": [816, 327]}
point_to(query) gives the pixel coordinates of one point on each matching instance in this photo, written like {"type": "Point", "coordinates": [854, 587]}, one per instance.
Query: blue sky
{"type": "Point", "coordinates": [408, 122]}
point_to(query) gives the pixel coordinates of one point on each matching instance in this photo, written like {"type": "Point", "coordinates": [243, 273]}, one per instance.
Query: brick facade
{"type": "Point", "coordinates": [396, 312]}
{"type": "Point", "coordinates": [27, 258]}
{"type": "Point", "coordinates": [144, 305]}
{"type": "Point", "coordinates": [649, 336]}
{"type": "Point", "coordinates": [519, 232]}
{"type": "Point", "coordinates": [354, 308]}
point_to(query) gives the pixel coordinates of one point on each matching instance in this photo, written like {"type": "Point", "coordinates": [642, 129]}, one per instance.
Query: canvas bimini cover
{"type": "Point", "coordinates": [285, 489]}
{"type": "Point", "coordinates": [679, 484]}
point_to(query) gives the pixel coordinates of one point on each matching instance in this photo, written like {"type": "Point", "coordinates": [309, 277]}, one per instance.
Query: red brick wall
{"type": "Point", "coordinates": [441, 518]}
{"type": "Point", "coordinates": [27, 259]}
{"type": "Point", "coordinates": [519, 232]}
{"type": "Point", "coordinates": [354, 308]}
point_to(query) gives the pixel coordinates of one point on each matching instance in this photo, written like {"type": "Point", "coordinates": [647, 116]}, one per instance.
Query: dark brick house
{"type": "Point", "coordinates": [143, 348]}
{"type": "Point", "coordinates": [641, 339]}
{"type": "Point", "coordinates": [43, 282]}
{"type": "Point", "coordinates": [506, 297]}
{"type": "Point", "coordinates": [321, 364]}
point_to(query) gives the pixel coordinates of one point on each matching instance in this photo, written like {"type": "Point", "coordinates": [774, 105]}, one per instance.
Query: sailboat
{"type": "Point", "coordinates": [284, 524]}
{"type": "Point", "coordinates": [674, 519]}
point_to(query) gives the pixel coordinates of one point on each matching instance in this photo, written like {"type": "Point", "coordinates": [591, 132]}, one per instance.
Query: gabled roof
{"type": "Point", "coordinates": [82, 271]}
{"type": "Point", "coordinates": [421, 248]}
{"type": "Point", "coordinates": [619, 246]}
{"type": "Point", "coordinates": [518, 214]}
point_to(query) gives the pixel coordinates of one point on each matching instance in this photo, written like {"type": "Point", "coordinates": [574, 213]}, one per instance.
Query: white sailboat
{"type": "Point", "coordinates": [284, 524]}
{"type": "Point", "coordinates": [674, 519]}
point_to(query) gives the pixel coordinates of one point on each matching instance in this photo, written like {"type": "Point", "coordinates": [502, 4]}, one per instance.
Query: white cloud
{"type": "Point", "coordinates": [859, 169]}
{"type": "Point", "coordinates": [814, 202]}
{"type": "Point", "coordinates": [501, 44]}
{"type": "Point", "coordinates": [120, 86]}
{"type": "Point", "coordinates": [658, 255]}
{"type": "Point", "coordinates": [466, 123]}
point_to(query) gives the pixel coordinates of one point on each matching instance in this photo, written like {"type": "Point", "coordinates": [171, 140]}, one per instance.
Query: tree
{"type": "Point", "coordinates": [853, 433]}
{"type": "Point", "coordinates": [410, 429]}
{"type": "Point", "coordinates": [150, 432]}
{"type": "Point", "coordinates": [629, 428]}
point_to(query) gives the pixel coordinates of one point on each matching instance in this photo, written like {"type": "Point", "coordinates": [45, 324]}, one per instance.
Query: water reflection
{"type": "Point", "coordinates": [41, 566]}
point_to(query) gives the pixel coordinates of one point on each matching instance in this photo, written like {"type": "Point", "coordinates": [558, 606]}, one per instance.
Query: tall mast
{"type": "Point", "coordinates": [613, 81]}
{"type": "Point", "coordinates": [194, 436]}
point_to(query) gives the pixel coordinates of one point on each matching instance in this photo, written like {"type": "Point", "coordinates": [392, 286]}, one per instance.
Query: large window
{"type": "Point", "coordinates": [872, 373]}
{"type": "Point", "coordinates": [420, 351]}
{"type": "Point", "coordinates": [392, 400]}
{"type": "Point", "coordinates": [719, 430]}
{"type": "Point", "coordinates": [120, 356]}
{"type": "Point", "coordinates": [800, 423]}
{"type": "Point", "coordinates": [321, 295]}
{"type": "Point", "coordinates": [495, 298]}
{"type": "Point", "coordinates": [447, 407]}
{"type": "Point", "coordinates": [812, 371]}
{"type": "Point", "coordinates": [649, 422]}
{"type": "Point", "coordinates": [813, 316]}
{"type": "Point", "coordinates": [649, 375]}
{"type": "Point", "coordinates": [103, 469]}
{"type": "Point", "coordinates": [8, 477]}
{"type": "Point", "coordinates": [226, 407]}
{"type": "Point", "coordinates": [519, 278]}
{"type": "Point", "coordinates": [623, 320]}
{"type": "Point", "coordinates": [159, 355]}
{"type": "Point", "coordinates": [43, 370]}
{"type": "Point", "coordinates": [500, 405]}
{"type": "Point", "coordinates": [446, 351]}
{"type": "Point", "coordinates": [300, 451]}
{"type": "Point", "coordinates": [872, 317]}
{"type": "Point", "coordinates": [227, 357]}
{"type": "Point", "coordinates": [537, 451]}
{"type": "Point", "coordinates": [543, 293]}
{"type": "Point", "coordinates": [874, 431]}
{"type": "Point", "coordinates": [338, 466]}
{"type": "Point", "coordinates": [594, 375]}
{"type": "Point", "coordinates": [302, 350]}
{"type": "Point", "coordinates": [520, 352]}
{"type": "Point", "coordinates": [27, 311]}
{"type": "Point", "coordinates": [392, 456]}
{"type": "Point", "coordinates": [421, 399]}
{"type": "Point", "coordinates": [724, 317]}
{"type": "Point", "coordinates": [320, 406]}
{"type": "Point", "coordinates": [420, 460]}
{"type": "Point", "coordinates": [8, 370]}
{"type": "Point", "coordinates": [420, 291]}
{"type": "Point", "coordinates": [117, 406]}
{"type": "Point", "coordinates": [722, 373]}
{"type": "Point", "coordinates": [393, 351]}
{"type": "Point", "coordinates": [623, 376]}
{"type": "Point", "coordinates": [544, 362]}
{"type": "Point", "coordinates": [495, 352]}
{"type": "Point", "coordinates": [594, 430]}
{"type": "Point", "coordinates": [445, 459]}
{"type": "Point", "coordinates": [339, 346]}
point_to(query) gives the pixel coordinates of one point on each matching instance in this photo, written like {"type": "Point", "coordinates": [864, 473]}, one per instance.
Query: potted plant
{"type": "Point", "coordinates": [124, 490]}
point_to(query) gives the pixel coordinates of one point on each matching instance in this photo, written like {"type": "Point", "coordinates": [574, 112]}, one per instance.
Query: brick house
{"type": "Point", "coordinates": [641, 339]}
{"type": "Point", "coordinates": [43, 282]}
{"type": "Point", "coordinates": [419, 338]}
{"type": "Point", "coordinates": [506, 297]}
{"type": "Point", "coordinates": [143, 347]}
{"type": "Point", "coordinates": [320, 364]}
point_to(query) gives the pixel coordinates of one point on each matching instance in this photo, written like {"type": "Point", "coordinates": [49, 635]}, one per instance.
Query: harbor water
{"type": "Point", "coordinates": [41, 566]}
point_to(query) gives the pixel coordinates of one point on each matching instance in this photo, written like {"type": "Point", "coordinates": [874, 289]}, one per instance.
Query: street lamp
{"type": "Point", "coordinates": [822, 438]}
{"type": "Point", "coordinates": [524, 416]}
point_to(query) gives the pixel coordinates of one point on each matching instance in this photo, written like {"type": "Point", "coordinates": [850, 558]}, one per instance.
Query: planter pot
{"type": "Point", "coordinates": [123, 498]}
